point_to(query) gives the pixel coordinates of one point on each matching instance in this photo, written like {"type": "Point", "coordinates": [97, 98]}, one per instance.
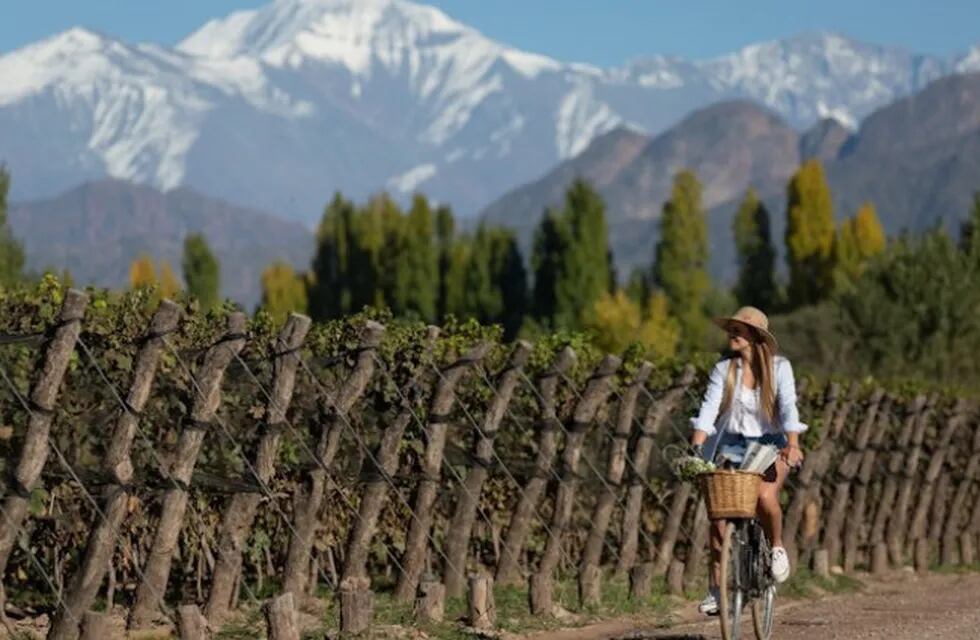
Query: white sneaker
{"type": "Point", "coordinates": [709, 606]}
{"type": "Point", "coordinates": [780, 564]}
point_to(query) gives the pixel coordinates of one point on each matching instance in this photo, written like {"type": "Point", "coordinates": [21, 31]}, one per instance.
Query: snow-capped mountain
{"type": "Point", "coordinates": [278, 107]}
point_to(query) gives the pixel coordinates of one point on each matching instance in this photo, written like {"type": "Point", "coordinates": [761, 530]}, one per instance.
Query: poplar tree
{"type": "Point", "coordinates": [283, 291]}
{"type": "Point", "coordinates": [857, 241]}
{"type": "Point", "coordinates": [11, 252]}
{"type": "Point", "coordinates": [756, 285]}
{"type": "Point", "coordinates": [809, 235]}
{"type": "Point", "coordinates": [418, 271]}
{"type": "Point", "coordinates": [680, 263]}
{"type": "Point", "coordinates": [202, 273]}
{"type": "Point", "coordinates": [330, 287]}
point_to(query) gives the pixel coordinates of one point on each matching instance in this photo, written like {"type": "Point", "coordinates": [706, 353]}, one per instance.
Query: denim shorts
{"type": "Point", "coordinates": [732, 446]}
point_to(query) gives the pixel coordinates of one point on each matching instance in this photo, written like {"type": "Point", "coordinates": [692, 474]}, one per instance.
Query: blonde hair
{"type": "Point", "coordinates": [763, 368]}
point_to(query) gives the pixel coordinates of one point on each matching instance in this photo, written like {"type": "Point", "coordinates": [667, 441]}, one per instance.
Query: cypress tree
{"type": "Point", "coordinates": [445, 238]}
{"type": "Point", "coordinates": [586, 264]}
{"type": "Point", "coordinates": [283, 291]}
{"type": "Point", "coordinates": [551, 241]}
{"type": "Point", "coordinates": [680, 263]}
{"type": "Point", "coordinates": [202, 273]}
{"type": "Point", "coordinates": [756, 283]}
{"type": "Point", "coordinates": [809, 235]}
{"type": "Point", "coordinates": [495, 281]}
{"type": "Point", "coordinates": [11, 252]}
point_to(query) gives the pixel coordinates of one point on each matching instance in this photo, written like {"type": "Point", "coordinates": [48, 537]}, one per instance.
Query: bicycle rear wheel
{"type": "Point", "coordinates": [731, 594]}
{"type": "Point", "coordinates": [763, 606]}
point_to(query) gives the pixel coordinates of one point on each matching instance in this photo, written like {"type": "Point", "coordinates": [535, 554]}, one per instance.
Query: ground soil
{"type": "Point", "coordinates": [902, 607]}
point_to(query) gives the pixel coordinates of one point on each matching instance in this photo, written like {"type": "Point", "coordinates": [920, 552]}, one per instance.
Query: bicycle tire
{"type": "Point", "coordinates": [730, 593]}
{"type": "Point", "coordinates": [762, 613]}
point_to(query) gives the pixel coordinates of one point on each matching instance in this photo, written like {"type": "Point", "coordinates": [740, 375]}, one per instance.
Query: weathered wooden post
{"type": "Point", "coordinates": [191, 625]}
{"type": "Point", "coordinates": [461, 526]}
{"type": "Point", "coordinates": [589, 574]}
{"type": "Point", "coordinates": [356, 604]}
{"type": "Point", "coordinates": [858, 512]}
{"type": "Point", "coordinates": [657, 413]}
{"type": "Point", "coordinates": [442, 403]}
{"type": "Point", "coordinates": [280, 615]}
{"type": "Point", "coordinates": [203, 414]}
{"type": "Point", "coordinates": [239, 516]}
{"type": "Point", "coordinates": [641, 579]}
{"type": "Point", "coordinates": [95, 626]}
{"type": "Point", "coordinates": [85, 582]}
{"type": "Point", "coordinates": [481, 604]}
{"type": "Point", "coordinates": [508, 566]}
{"type": "Point", "coordinates": [384, 460]}
{"type": "Point", "coordinates": [44, 391]}
{"type": "Point", "coordinates": [695, 566]}
{"type": "Point", "coordinates": [309, 498]}
{"type": "Point", "coordinates": [430, 605]}
{"type": "Point", "coordinates": [592, 398]}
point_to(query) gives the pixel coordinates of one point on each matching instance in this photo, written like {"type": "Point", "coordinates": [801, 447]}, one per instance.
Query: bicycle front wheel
{"type": "Point", "coordinates": [762, 610]}
{"type": "Point", "coordinates": [731, 595]}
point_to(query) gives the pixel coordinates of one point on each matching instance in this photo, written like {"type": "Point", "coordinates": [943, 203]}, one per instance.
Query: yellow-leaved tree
{"type": "Point", "coordinates": [617, 322]}
{"type": "Point", "coordinates": [142, 273]}
{"type": "Point", "coordinates": [283, 291]}
{"type": "Point", "coordinates": [857, 241]}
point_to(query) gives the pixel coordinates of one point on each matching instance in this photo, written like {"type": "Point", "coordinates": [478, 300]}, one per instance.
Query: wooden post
{"type": "Point", "coordinates": [615, 469]}
{"type": "Point", "coordinates": [821, 563]}
{"type": "Point", "coordinates": [237, 520]}
{"type": "Point", "coordinates": [442, 403]}
{"type": "Point", "coordinates": [594, 395]}
{"type": "Point", "coordinates": [207, 398]}
{"type": "Point", "coordinates": [44, 390]}
{"type": "Point", "coordinates": [889, 489]}
{"type": "Point", "coordinates": [85, 582]}
{"type": "Point", "coordinates": [482, 608]}
{"type": "Point", "coordinates": [541, 595]}
{"type": "Point", "coordinates": [657, 413]}
{"type": "Point", "coordinates": [897, 525]}
{"type": "Point", "coordinates": [921, 555]}
{"type": "Point", "coordinates": [309, 497]}
{"type": "Point", "coordinates": [385, 463]}
{"type": "Point", "coordinates": [356, 605]}
{"type": "Point", "coordinates": [672, 526]}
{"type": "Point", "coordinates": [698, 548]}
{"type": "Point", "coordinates": [856, 519]}
{"type": "Point", "coordinates": [675, 578]}
{"type": "Point", "coordinates": [590, 585]}
{"type": "Point", "coordinates": [430, 605]}
{"type": "Point", "coordinates": [641, 577]}
{"type": "Point", "coordinates": [879, 559]}
{"type": "Point", "coordinates": [280, 616]}
{"type": "Point", "coordinates": [461, 525]}
{"type": "Point", "coordinates": [967, 550]}
{"type": "Point", "coordinates": [95, 626]}
{"type": "Point", "coordinates": [508, 565]}
{"type": "Point", "coordinates": [191, 625]}
{"type": "Point", "coordinates": [846, 471]}
{"type": "Point", "coordinates": [954, 519]}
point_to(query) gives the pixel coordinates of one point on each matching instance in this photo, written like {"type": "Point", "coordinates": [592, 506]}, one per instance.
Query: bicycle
{"type": "Point", "coordinates": [746, 556]}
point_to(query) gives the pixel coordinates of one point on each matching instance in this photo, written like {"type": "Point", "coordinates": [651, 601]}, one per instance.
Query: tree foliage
{"type": "Point", "coordinates": [11, 252]}
{"type": "Point", "coordinates": [618, 322]}
{"type": "Point", "coordinates": [756, 284]}
{"type": "Point", "coordinates": [809, 235]}
{"type": "Point", "coordinates": [283, 291]}
{"type": "Point", "coordinates": [202, 272]}
{"type": "Point", "coordinates": [680, 262]}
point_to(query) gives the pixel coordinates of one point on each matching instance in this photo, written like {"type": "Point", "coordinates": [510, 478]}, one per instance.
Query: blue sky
{"type": "Point", "coordinates": [604, 32]}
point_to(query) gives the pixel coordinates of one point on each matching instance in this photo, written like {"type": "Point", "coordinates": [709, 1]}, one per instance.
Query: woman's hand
{"type": "Point", "coordinates": [793, 455]}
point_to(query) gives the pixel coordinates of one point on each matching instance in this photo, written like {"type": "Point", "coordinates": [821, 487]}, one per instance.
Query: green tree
{"type": "Point", "coordinates": [495, 281]}
{"type": "Point", "coordinates": [445, 239]}
{"type": "Point", "coordinates": [970, 230]}
{"type": "Point", "coordinates": [11, 252]}
{"type": "Point", "coordinates": [330, 293]}
{"type": "Point", "coordinates": [809, 235]}
{"type": "Point", "coordinates": [756, 285]}
{"type": "Point", "coordinates": [202, 273]}
{"type": "Point", "coordinates": [857, 241]}
{"type": "Point", "coordinates": [283, 291]}
{"type": "Point", "coordinates": [418, 271]}
{"type": "Point", "coordinates": [551, 241]}
{"type": "Point", "coordinates": [680, 263]}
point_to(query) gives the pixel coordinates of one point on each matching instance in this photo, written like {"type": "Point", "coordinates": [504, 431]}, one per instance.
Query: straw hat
{"type": "Point", "coordinates": [755, 320]}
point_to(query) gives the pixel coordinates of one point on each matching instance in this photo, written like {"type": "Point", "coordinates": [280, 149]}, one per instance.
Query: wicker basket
{"type": "Point", "coordinates": [730, 494]}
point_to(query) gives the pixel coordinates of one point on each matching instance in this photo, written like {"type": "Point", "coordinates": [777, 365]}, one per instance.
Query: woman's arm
{"type": "Point", "coordinates": [789, 414]}
{"type": "Point", "coordinates": [704, 423]}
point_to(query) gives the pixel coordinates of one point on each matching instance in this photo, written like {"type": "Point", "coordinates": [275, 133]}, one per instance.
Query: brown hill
{"type": "Point", "coordinates": [96, 231]}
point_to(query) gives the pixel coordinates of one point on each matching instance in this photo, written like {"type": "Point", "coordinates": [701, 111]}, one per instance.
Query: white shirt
{"type": "Point", "coordinates": [744, 415]}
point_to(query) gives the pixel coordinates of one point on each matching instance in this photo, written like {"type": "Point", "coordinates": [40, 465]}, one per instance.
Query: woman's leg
{"type": "Point", "coordinates": [770, 511]}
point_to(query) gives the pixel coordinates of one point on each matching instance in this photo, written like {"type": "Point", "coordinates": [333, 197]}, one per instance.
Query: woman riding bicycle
{"type": "Point", "coordinates": [751, 397]}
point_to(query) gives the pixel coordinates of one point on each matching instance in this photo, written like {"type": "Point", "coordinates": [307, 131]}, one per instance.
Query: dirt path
{"type": "Point", "coordinates": [905, 607]}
